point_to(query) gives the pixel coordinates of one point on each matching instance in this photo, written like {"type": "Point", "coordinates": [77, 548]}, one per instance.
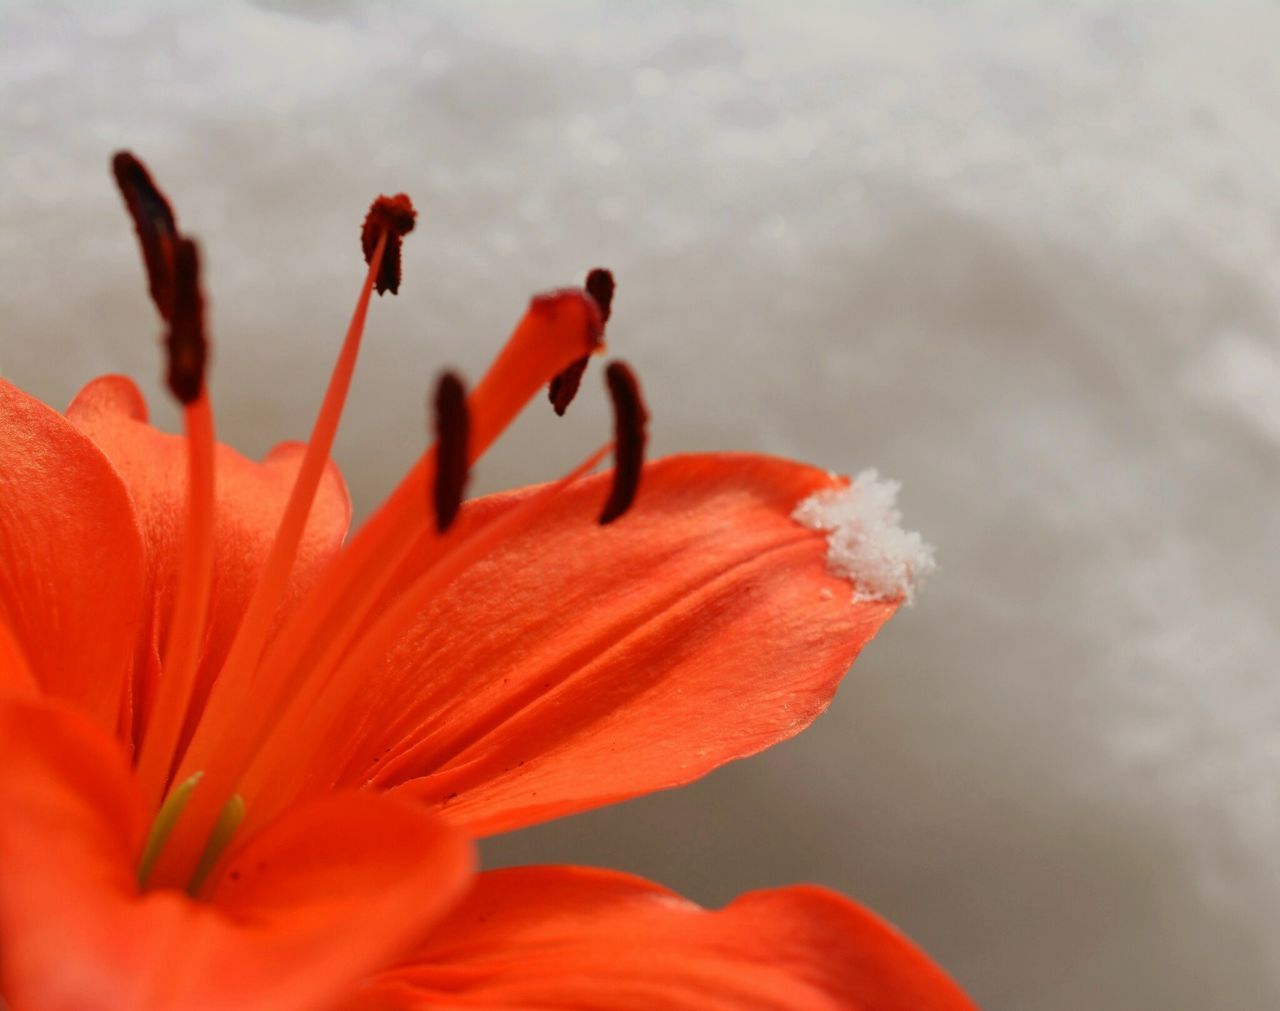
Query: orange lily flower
{"type": "Point", "coordinates": [242, 758]}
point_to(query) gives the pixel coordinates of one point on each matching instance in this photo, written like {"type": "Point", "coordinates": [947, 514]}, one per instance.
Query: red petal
{"type": "Point", "coordinates": [565, 937]}
{"type": "Point", "coordinates": [70, 826]}
{"type": "Point", "coordinates": [331, 892]}
{"type": "Point", "coordinates": [250, 499]}
{"type": "Point", "coordinates": [15, 676]}
{"type": "Point", "coordinates": [71, 560]}
{"type": "Point", "coordinates": [319, 899]}
{"type": "Point", "coordinates": [581, 664]}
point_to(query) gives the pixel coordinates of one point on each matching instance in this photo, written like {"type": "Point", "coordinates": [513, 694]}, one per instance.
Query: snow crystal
{"type": "Point", "coordinates": [866, 543]}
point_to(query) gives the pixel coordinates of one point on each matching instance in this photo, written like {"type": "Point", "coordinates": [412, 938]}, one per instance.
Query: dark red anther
{"type": "Point", "coordinates": [600, 286]}
{"type": "Point", "coordinates": [629, 419]}
{"type": "Point", "coordinates": [157, 228]}
{"type": "Point", "coordinates": [452, 433]}
{"type": "Point", "coordinates": [186, 345]}
{"type": "Point", "coordinates": [394, 217]}
{"type": "Point", "coordinates": [564, 387]}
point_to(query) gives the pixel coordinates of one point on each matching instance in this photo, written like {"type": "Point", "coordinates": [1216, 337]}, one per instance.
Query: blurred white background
{"type": "Point", "coordinates": [1023, 257]}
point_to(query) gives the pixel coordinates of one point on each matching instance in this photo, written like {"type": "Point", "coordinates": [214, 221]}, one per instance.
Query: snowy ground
{"type": "Point", "coordinates": [1023, 259]}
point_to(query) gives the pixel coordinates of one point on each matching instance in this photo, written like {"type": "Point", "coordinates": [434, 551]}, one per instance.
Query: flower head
{"type": "Point", "coordinates": [241, 758]}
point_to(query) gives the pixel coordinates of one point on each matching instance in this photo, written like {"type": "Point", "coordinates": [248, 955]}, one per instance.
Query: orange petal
{"type": "Point", "coordinates": [15, 676]}
{"type": "Point", "coordinates": [582, 664]}
{"type": "Point", "coordinates": [566, 937]}
{"type": "Point", "coordinates": [250, 499]}
{"type": "Point", "coordinates": [319, 899]}
{"type": "Point", "coordinates": [331, 892]}
{"type": "Point", "coordinates": [71, 561]}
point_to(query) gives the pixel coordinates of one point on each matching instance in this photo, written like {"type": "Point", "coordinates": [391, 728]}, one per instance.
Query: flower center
{"type": "Point", "coordinates": [279, 692]}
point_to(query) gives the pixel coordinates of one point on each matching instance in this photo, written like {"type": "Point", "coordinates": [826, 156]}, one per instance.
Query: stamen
{"type": "Point", "coordinates": [393, 217]}
{"type": "Point", "coordinates": [452, 423]}
{"type": "Point", "coordinates": [185, 342]}
{"type": "Point", "coordinates": [247, 645]}
{"type": "Point", "coordinates": [187, 355]}
{"type": "Point", "coordinates": [629, 418]}
{"type": "Point", "coordinates": [231, 690]}
{"type": "Point", "coordinates": [564, 387]}
{"type": "Point", "coordinates": [157, 228]}
{"type": "Point", "coordinates": [173, 276]}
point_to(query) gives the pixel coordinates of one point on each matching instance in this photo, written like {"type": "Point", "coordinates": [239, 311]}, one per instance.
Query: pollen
{"type": "Point", "coordinates": [186, 344]}
{"type": "Point", "coordinates": [393, 217]}
{"type": "Point", "coordinates": [630, 418]}
{"type": "Point", "coordinates": [564, 387]}
{"type": "Point", "coordinates": [601, 286]}
{"type": "Point", "coordinates": [452, 426]}
{"type": "Point", "coordinates": [866, 543]}
{"type": "Point", "coordinates": [155, 223]}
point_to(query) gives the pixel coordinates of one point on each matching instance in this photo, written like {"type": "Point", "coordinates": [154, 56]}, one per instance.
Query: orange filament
{"type": "Point", "coordinates": [556, 330]}
{"type": "Point", "coordinates": [191, 605]}
{"type": "Point", "coordinates": [252, 633]}
{"type": "Point", "coordinates": [231, 692]}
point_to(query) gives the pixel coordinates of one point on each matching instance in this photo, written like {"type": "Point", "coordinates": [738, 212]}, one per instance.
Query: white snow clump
{"type": "Point", "coordinates": [866, 543]}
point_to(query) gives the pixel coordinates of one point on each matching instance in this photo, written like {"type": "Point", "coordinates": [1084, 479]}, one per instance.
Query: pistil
{"type": "Point", "coordinates": [229, 819]}
{"type": "Point", "coordinates": [162, 824]}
